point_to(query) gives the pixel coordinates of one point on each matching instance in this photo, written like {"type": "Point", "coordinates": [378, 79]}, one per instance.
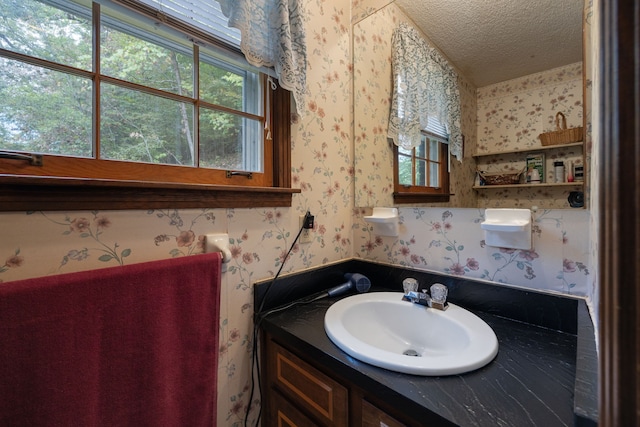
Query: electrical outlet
{"type": "Point", "coordinates": [305, 236]}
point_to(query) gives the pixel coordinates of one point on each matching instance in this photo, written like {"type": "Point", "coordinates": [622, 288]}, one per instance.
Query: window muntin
{"type": "Point", "coordinates": [145, 109]}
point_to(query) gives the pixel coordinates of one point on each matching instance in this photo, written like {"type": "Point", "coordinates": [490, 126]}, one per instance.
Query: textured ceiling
{"type": "Point", "coordinates": [491, 41]}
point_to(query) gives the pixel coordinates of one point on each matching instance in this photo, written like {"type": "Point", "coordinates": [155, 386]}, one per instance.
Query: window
{"type": "Point", "coordinates": [111, 97]}
{"type": "Point", "coordinates": [421, 174]}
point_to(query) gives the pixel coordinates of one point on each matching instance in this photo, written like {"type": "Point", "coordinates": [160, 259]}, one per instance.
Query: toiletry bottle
{"type": "Point", "coordinates": [558, 169]}
{"type": "Point", "coordinates": [570, 177]}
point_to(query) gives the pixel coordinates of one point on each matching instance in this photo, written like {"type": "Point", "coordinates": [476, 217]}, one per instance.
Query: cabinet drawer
{"type": "Point", "coordinates": [375, 417]}
{"type": "Point", "coordinates": [284, 414]}
{"type": "Point", "coordinates": [308, 388]}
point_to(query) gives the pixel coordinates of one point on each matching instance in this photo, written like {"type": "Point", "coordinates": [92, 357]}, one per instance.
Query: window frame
{"type": "Point", "coordinates": [67, 183]}
{"type": "Point", "coordinates": [422, 194]}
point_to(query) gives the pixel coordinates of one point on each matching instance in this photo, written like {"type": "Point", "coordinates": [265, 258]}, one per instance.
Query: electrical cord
{"type": "Point", "coordinates": [257, 320]}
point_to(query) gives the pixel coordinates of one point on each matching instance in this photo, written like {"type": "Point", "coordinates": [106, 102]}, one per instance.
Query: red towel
{"type": "Point", "coordinates": [124, 346]}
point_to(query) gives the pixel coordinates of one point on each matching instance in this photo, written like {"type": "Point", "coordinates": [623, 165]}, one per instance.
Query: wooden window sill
{"type": "Point", "coordinates": [29, 193]}
{"type": "Point", "coordinates": [413, 197]}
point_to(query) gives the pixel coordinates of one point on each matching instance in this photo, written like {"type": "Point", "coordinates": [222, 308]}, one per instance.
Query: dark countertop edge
{"type": "Point", "coordinates": [555, 311]}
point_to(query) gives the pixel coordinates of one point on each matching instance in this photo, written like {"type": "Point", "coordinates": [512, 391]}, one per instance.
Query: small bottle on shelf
{"type": "Point", "coordinates": [558, 169]}
{"type": "Point", "coordinates": [578, 173]}
{"type": "Point", "coordinates": [570, 173]}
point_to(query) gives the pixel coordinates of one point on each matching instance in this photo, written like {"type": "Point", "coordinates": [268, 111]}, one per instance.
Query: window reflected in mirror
{"type": "Point", "coordinates": [422, 173]}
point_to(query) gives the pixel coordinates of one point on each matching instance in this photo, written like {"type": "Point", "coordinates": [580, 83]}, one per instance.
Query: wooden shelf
{"type": "Point", "coordinates": [546, 185]}
{"type": "Point", "coordinates": [530, 150]}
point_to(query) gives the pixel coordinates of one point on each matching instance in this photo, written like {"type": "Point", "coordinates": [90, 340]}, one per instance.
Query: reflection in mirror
{"type": "Point", "coordinates": [499, 116]}
{"type": "Point", "coordinates": [372, 94]}
{"type": "Point", "coordinates": [422, 173]}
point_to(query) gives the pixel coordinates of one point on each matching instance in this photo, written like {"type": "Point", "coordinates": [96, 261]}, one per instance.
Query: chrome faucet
{"type": "Point", "coordinates": [437, 299]}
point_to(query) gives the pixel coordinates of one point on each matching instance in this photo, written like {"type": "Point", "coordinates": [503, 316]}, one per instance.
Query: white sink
{"type": "Point", "coordinates": [381, 329]}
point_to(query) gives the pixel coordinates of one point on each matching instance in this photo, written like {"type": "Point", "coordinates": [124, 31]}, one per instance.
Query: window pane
{"type": "Point", "coordinates": [421, 150]}
{"type": "Point", "coordinates": [45, 32]}
{"type": "Point", "coordinates": [44, 111]}
{"type": "Point", "coordinates": [434, 175]}
{"type": "Point", "coordinates": [405, 170]}
{"type": "Point", "coordinates": [230, 142]}
{"type": "Point", "coordinates": [140, 127]}
{"type": "Point", "coordinates": [228, 86]}
{"type": "Point", "coordinates": [404, 151]}
{"type": "Point", "coordinates": [140, 61]}
{"type": "Point", "coordinates": [421, 173]}
{"type": "Point", "coordinates": [434, 150]}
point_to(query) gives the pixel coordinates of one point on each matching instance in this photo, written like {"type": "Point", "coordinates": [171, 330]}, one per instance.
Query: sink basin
{"type": "Point", "coordinates": [383, 330]}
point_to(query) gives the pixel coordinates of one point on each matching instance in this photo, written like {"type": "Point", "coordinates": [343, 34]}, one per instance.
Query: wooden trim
{"type": "Point", "coordinates": [619, 203]}
{"type": "Point", "coordinates": [420, 198]}
{"type": "Point", "coordinates": [281, 132]}
{"type": "Point", "coordinates": [36, 193]}
{"type": "Point", "coordinates": [108, 170]}
{"type": "Point", "coordinates": [399, 197]}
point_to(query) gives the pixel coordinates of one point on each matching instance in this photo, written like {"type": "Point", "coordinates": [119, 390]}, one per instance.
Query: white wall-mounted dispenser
{"type": "Point", "coordinates": [385, 221]}
{"type": "Point", "coordinates": [507, 228]}
{"type": "Point", "coordinates": [219, 243]}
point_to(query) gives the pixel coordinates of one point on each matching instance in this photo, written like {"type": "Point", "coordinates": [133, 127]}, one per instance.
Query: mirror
{"type": "Point", "coordinates": [373, 26]}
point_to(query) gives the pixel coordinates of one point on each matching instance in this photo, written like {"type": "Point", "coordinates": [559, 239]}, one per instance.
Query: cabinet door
{"type": "Point", "coordinates": [283, 414]}
{"type": "Point", "coordinates": [307, 388]}
{"type": "Point", "coordinates": [375, 417]}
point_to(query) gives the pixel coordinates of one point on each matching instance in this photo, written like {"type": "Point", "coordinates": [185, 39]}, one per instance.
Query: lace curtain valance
{"type": "Point", "coordinates": [273, 35]}
{"type": "Point", "coordinates": [425, 86]}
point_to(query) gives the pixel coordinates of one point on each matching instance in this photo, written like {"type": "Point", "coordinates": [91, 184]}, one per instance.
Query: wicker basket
{"type": "Point", "coordinates": [561, 135]}
{"type": "Point", "coordinates": [500, 178]}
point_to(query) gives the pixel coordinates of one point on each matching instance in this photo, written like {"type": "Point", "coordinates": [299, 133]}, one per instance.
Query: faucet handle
{"type": "Point", "coordinates": [439, 293]}
{"type": "Point", "coordinates": [409, 285]}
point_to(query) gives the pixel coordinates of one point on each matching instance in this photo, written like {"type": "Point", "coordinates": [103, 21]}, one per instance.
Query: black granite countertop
{"type": "Point", "coordinates": [538, 377]}
{"type": "Point", "coordinates": [529, 383]}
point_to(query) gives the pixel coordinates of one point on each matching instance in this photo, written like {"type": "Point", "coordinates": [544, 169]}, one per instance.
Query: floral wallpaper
{"type": "Point", "coordinates": [42, 243]}
{"type": "Point", "coordinates": [510, 117]}
{"type": "Point", "coordinates": [451, 241]}
{"type": "Point", "coordinates": [442, 239]}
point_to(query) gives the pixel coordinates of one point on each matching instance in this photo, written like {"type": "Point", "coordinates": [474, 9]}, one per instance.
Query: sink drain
{"type": "Point", "coordinates": [411, 352]}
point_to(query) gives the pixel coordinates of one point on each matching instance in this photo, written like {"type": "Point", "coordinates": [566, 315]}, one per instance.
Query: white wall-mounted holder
{"type": "Point", "coordinates": [385, 221]}
{"type": "Point", "coordinates": [218, 243]}
{"type": "Point", "coordinates": [507, 228]}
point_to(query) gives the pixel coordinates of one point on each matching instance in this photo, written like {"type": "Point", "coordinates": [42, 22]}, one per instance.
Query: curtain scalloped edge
{"type": "Point", "coordinates": [291, 81]}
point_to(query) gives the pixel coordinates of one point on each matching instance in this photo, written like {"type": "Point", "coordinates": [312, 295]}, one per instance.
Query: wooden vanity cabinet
{"type": "Point", "coordinates": [295, 393]}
